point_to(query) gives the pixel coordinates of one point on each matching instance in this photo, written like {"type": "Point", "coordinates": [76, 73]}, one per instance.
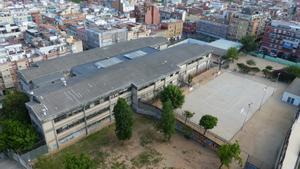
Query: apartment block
{"type": "Point", "coordinates": [212, 28]}
{"type": "Point", "coordinates": [152, 15]}
{"type": "Point", "coordinates": [76, 97]}
{"type": "Point", "coordinates": [16, 54]}
{"type": "Point", "coordinates": [97, 37]}
{"type": "Point", "coordinates": [241, 24]}
{"type": "Point", "coordinates": [13, 30]}
{"type": "Point", "coordinates": [173, 29]}
{"type": "Point", "coordinates": [281, 39]}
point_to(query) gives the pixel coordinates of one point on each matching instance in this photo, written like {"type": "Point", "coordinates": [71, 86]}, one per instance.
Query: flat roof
{"type": "Point", "coordinates": [294, 87]}
{"type": "Point", "coordinates": [58, 99]}
{"type": "Point", "coordinates": [62, 64]}
{"type": "Point", "coordinates": [225, 44]}
{"type": "Point", "coordinates": [219, 47]}
{"type": "Point", "coordinates": [104, 63]}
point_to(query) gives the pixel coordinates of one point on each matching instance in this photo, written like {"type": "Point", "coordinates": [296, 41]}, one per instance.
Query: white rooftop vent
{"type": "Point", "coordinates": [64, 81]}
{"type": "Point", "coordinates": [44, 110]}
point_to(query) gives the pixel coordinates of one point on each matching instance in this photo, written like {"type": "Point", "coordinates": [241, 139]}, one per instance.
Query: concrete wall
{"type": "Point", "coordinates": [286, 95]}
{"type": "Point", "coordinates": [68, 134]}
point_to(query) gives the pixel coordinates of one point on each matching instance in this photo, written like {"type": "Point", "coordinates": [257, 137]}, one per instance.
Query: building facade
{"type": "Point", "coordinates": [82, 104]}
{"type": "Point", "coordinates": [281, 39]}
{"type": "Point", "coordinates": [292, 93]}
{"type": "Point", "coordinates": [173, 29]}
{"type": "Point", "coordinates": [212, 28]}
{"type": "Point", "coordinates": [152, 15]}
{"type": "Point", "coordinates": [103, 37]}
{"type": "Point", "coordinates": [241, 25]}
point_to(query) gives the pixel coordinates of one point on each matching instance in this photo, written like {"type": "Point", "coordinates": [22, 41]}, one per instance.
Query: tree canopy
{"type": "Point", "coordinates": [232, 54]}
{"type": "Point", "coordinates": [124, 119]}
{"type": "Point", "coordinates": [294, 70]}
{"type": "Point", "coordinates": [229, 152]}
{"type": "Point", "coordinates": [249, 43]}
{"type": "Point", "coordinates": [17, 136]}
{"type": "Point", "coordinates": [187, 114]}
{"type": "Point", "coordinates": [167, 121]}
{"type": "Point", "coordinates": [174, 94]}
{"type": "Point", "coordinates": [14, 106]}
{"type": "Point", "coordinates": [208, 122]}
{"type": "Point", "coordinates": [82, 161]}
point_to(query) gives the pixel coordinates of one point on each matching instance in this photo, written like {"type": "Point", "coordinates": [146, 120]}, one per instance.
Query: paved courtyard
{"type": "Point", "coordinates": [9, 164]}
{"type": "Point", "coordinates": [264, 133]}
{"type": "Point", "coordinates": [231, 98]}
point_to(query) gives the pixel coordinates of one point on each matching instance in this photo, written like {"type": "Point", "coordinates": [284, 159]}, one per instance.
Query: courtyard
{"type": "Point", "coordinates": [266, 129]}
{"type": "Point", "coordinates": [231, 98]}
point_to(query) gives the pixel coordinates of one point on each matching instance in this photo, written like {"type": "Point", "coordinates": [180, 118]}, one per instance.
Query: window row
{"type": "Point", "coordinates": [68, 126]}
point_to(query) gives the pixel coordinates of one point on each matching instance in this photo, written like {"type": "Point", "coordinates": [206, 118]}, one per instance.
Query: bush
{"type": "Point", "coordinates": [243, 68]}
{"type": "Point", "coordinates": [294, 70]}
{"type": "Point", "coordinates": [285, 76]}
{"type": "Point", "coordinates": [267, 73]}
{"type": "Point", "coordinates": [254, 69]}
{"type": "Point", "coordinates": [246, 69]}
{"type": "Point", "coordinates": [251, 62]}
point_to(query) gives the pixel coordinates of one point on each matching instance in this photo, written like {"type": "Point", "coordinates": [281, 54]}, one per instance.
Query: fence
{"type": "Point", "coordinates": [196, 132]}
{"type": "Point", "coordinates": [273, 59]}
{"type": "Point", "coordinates": [12, 155]}
{"type": "Point", "coordinates": [26, 158]}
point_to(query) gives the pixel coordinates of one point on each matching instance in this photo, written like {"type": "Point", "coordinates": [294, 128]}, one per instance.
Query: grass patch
{"type": "Point", "coordinates": [147, 138]}
{"type": "Point", "coordinates": [93, 145]}
{"type": "Point", "coordinates": [251, 62]}
{"type": "Point", "coordinates": [148, 157]}
{"type": "Point", "coordinates": [90, 144]}
{"type": "Point", "coordinates": [118, 165]}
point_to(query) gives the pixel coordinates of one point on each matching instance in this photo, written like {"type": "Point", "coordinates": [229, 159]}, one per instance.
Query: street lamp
{"type": "Point", "coordinates": [249, 106]}
{"type": "Point", "coordinates": [278, 75]}
{"type": "Point", "coordinates": [262, 99]}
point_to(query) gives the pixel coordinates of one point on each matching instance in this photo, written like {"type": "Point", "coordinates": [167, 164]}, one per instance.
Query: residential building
{"type": "Point", "coordinates": [15, 16]}
{"type": "Point", "coordinates": [242, 24]}
{"type": "Point", "coordinates": [215, 28]}
{"type": "Point", "coordinates": [136, 31]}
{"type": "Point", "coordinates": [152, 15]}
{"type": "Point", "coordinates": [173, 29]}
{"type": "Point", "coordinates": [281, 39]}
{"type": "Point", "coordinates": [172, 13]}
{"type": "Point", "coordinates": [124, 6]}
{"type": "Point", "coordinates": [77, 97]}
{"type": "Point", "coordinates": [13, 30]}
{"type": "Point", "coordinates": [19, 54]}
{"type": "Point", "coordinates": [189, 27]}
{"type": "Point", "coordinates": [98, 37]}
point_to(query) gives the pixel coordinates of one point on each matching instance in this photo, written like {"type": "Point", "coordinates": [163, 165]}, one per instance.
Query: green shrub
{"type": "Point", "coordinates": [269, 67]}
{"type": "Point", "coordinates": [246, 69]}
{"type": "Point", "coordinates": [254, 69]}
{"type": "Point", "coordinates": [251, 62]}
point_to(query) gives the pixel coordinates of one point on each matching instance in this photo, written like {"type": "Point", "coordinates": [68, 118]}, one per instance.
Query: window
{"type": "Point", "coordinates": [97, 113]}
{"type": "Point", "coordinates": [68, 126]}
{"type": "Point", "coordinates": [64, 116]}
{"type": "Point", "coordinates": [290, 100]}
